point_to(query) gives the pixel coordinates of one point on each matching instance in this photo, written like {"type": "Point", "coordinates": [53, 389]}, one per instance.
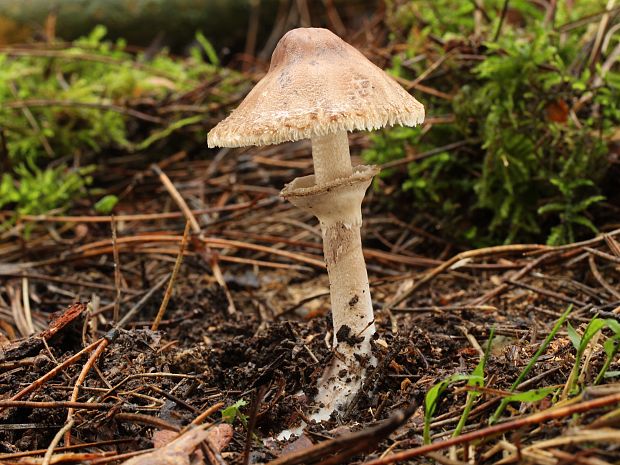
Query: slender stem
{"type": "Point", "coordinates": [331, 157]}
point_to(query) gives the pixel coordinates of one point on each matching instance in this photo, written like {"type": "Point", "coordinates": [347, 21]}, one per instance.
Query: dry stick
{"type": "Point", "coordinates": [65, 280]}
{"type": "Point", "coordinates": [612, 244]}
{"type": "Point", "coordinates": [349, 444]}
{"type": "Point", "coordinates": [203, 416]}
{"type": "Point", "coordinates": [180, 201]}
{"type": "Point", "coordinates": [597, 275]}
{"type": "Point", "coordinates": [421, 156]}
{"type": "Point", "coordinates": [576, 245]}
{"type": "Point", "coordinates": [118, 457]}
{"type": "Point", "coordinates": [218, 242]}
{"type": "Point", "coordinates": [254, 408]}
{"type": "Point", "coordinates": [100, 247]}
{"type": "Point", "coordinates": [18, 104]}
{"type": "Point", "coordinates": [461, 256]}
{"type": "Point", "coordinates": [143, 216]}
{"type": "Point", "coordinates": [600, 33]}
{"type": "Point", "coordinates": [173, 398]}
{"type": "Point", "coordinates": [117, 274]}
{"type": "Point", "coordinates": [173, 277]}
{"type": "Point", "coordinates": [50, 450]}
{"type": "Point", "coordinates": [26, 306]}
{"type": "Point", "coordinates": [52, 404]}
{"type": "Point", "coordinates": [101, 346]}
{"type": "Point", "coordinates": [546, 292]}
{"type": "Point", "coordinates": [136, 308]}
{"type": "Point", "coordinates": [52, 373]}
{"type": "Point", "coordinates": [518, 275]}
{"type": "Point", "coordinates": [103, 343]}
{"type": "Point", "coordinates": [17, 455]}
{"type": "Point", "coordinates": [534, 419]}
{"type": "Point", "coordinates": [606, 256]}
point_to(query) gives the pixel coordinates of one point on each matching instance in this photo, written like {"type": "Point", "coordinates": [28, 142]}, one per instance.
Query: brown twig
{"type": "Point", "coordinates": [146, 216]}
{"type": "Point", "coordinates": [99, 444]}
{"type": "Point", "coordinates": [103, 343]}
{"type": "Point", "coordinates": [597, 275]}
{"type": "Point", "coordinates": [477, 253]}
{"type": "Point", "coordinates": [575, 245]}
{"type": "Point", "coordinates": [423, 155]}
{"type": "Point", "coordinates": [516, 276]}
{"type": "Point", "coordinates": [52, 404]}
{"type": "Point", "coordinates": [30, 103]}
{"type": "Point", "coordinates": [258, 398]}
{"type": "Point", "coordinates": [52, 373]}
{"type": "Point", "coordinates": [346, 445]}
{"type": "Point", "coordinates": [146, 420]}
{"type": "Point", "coordinates": [489, 431]}
{"type": "Point", "coordinates": [204, 415]}
{"type": "Point", "coordinates": [178, 198]}
{"type": "Point", "coordinates": [117, 274]}
{"type": "Point", "coordinates": [175, 271]}
{"type": "Point", "coordinates": [47, 458]}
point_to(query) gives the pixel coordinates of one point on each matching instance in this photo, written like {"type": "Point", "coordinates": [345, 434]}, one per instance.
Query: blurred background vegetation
{"type": "Point", "coordinates": [523, 102]}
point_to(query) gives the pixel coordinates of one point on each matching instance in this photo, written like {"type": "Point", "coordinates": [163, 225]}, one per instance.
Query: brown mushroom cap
{"type": "Point", "coordinates": [317, 84]}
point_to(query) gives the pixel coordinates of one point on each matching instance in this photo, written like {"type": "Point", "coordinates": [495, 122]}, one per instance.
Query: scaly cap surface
{"type": "Point", "coordinates": [317, 84]}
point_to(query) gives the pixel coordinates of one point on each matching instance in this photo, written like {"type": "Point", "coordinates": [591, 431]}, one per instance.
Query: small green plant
{"type": "Point", "coordinates": [233, 412]}
{"type": "Point", "coordinates": [106, 204]}
{"type": "Point", "coordinates": [431, 400]}
{"type": "Point", "coordinates": [478, 374]}
{"type": "Point", "coordinates": [541, 350]}
{"type": "Point", "coordinates": [611, 346]}
{"type": "Point", "coordinates": [581, 342]}
{"type": "Point", "coordinates": [524, 116]}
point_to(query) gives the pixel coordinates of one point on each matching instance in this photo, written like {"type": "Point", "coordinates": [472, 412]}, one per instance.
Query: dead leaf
{"type": "Point", "coordinates": [179, 450]}
{"type": "Point", "coordinates": [301, 443]}
{"type": "Point", "coordinates": [557, 111]}
{"type": "Point", "coordinates": [163, 437]}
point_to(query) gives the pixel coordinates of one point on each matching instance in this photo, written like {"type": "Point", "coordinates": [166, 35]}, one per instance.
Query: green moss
{"type": "Point", "coordinates": [60, 107]}
{"type": "Point", "coordinates": [528, 169]}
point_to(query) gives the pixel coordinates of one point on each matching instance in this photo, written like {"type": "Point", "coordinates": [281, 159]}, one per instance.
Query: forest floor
{"type": "Point", "coordinates": [244, 334]}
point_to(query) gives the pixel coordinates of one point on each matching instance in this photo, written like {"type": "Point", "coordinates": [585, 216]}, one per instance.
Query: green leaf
{"type": "Point", "coordinates": [583, 221]}
{"type": "Point", "coordinates": [230, 413]}
{"type": "Point", "coordinates": [533, 395]}
{"type": "Point", "coordinates": [162, 134]}
{"type": "Point", "coordinates": [551, 207]}
{"type": "Point", "coordinates": [574, 337]}
{"type": "Point", "coordinates": [432, 397]}
{"type": "Point", "coordinates": [584, 204]}
{"type": "Point", "coordinates": [208, 48]}
{"type": "Point", "coordinates": [614, 325]}
{"type": "Point", "coordinates": [106, 204]}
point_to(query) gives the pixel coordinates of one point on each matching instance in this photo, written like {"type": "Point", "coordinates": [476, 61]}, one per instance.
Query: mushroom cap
{"type": "Point", "coordinates": [317, 84]}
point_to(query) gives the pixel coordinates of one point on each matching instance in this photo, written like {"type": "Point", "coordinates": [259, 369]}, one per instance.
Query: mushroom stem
{"type": "Point", "coordinates": [352, 313]}
{"type": "Point", "coordinates": [331, 157]}
{"type": "Point", "coordinates": [338, 206]}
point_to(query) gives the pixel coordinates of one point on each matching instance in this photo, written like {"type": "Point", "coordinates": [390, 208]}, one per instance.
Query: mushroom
{"type": "Point", "coordinates": [318, 87]}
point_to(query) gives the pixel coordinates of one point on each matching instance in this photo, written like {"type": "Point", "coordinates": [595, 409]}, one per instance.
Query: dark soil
{"type": "Point", "coordinates": [275, 347]}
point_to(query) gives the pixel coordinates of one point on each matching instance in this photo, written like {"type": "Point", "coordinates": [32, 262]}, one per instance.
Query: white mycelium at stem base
{"type": "Point", "coordinates": [334, 195]}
